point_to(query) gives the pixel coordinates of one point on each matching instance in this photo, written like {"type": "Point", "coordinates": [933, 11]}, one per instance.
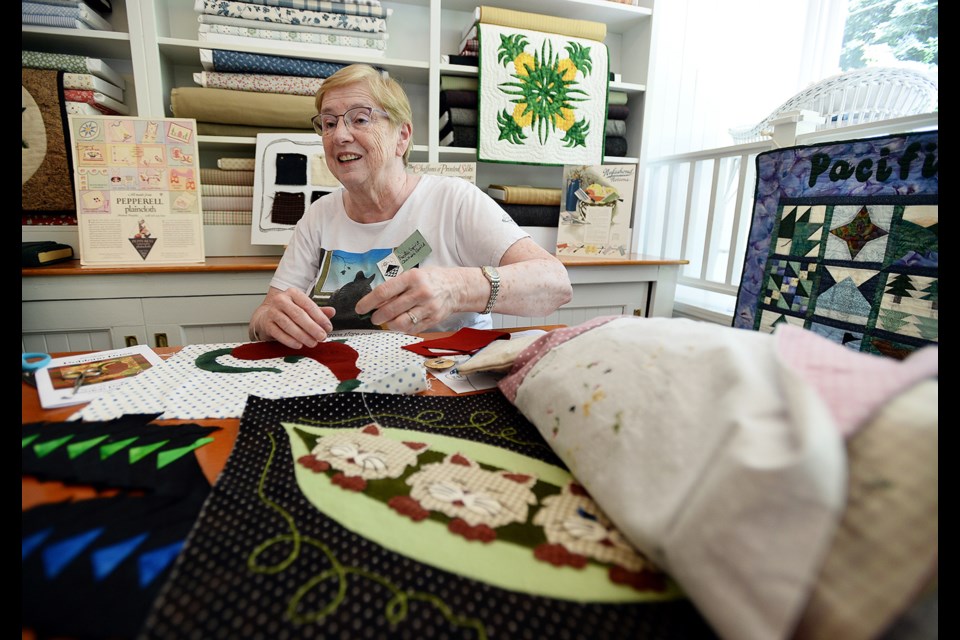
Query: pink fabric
{"type": "Point", "coordinates": [87, 96]}
{"type": "Point", "coordinates": [852, 384]}
{"type": "Point", "coordinates": [78, 95]}
{"type": "Point", "coordinates": [532, 354]}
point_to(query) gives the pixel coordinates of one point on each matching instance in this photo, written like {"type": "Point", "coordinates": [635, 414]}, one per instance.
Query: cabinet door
{"type": "Point", "coordinates": [81, 325]}
{"type": "Point", "coordinates": [198, 320]}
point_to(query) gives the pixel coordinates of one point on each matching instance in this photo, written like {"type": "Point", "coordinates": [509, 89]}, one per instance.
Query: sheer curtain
{"type": "Point", "coordinates": [718, 65]}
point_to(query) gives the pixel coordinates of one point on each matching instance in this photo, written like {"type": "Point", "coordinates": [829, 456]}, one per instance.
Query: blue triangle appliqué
{"type": "Point", "coordinates": [57, 556]}
{"type": "Point", "coordinates": [153, 563]}
{"type": "Point", "coordinates": [107, 559]}
{"type": "Point", "coordinates": [29, 544]}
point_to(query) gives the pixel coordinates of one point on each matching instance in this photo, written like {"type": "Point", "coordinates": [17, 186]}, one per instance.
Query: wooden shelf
{"type": "Point", "coordinates": [233, 264]}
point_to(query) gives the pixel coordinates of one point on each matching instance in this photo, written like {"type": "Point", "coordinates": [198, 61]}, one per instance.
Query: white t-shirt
{"type": "Point", "coordinates": [335, 259]}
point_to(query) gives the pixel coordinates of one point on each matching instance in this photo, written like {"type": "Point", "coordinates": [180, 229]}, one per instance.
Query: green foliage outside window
{"type": "Point", "coordinates": [884, 32]}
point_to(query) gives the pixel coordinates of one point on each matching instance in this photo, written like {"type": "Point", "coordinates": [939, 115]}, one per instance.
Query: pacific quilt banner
{"type": "Point", "coordinates": [387, 516]}
{"type": "Point", "coordinates": [543, 97]}
{"type": "Point", "coordinates": [844, 242]}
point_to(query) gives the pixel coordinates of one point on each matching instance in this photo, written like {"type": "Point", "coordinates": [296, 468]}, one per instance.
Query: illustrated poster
{"type": "Point", "coordinates": [595, 210]}
{"type": "Point", "coordinates": [137, 183]}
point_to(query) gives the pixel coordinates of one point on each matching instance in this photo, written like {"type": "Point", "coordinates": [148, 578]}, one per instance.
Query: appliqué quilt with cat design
{"type": "Point", "coordinates": [408, 516]}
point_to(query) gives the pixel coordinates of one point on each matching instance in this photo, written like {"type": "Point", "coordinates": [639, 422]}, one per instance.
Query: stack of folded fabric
{"type": "Point", "coordinates": [529, 206]}
{"type": "Point", "coordinates": [458, 111]}
{"type": "Point", "coordinates": [238, 112]}
{"type": "Point", "coordinates": [469, 43]}
{"type": "Point", "coordinates": [67, 14]}
{"type": "Point", "coordinates": [342, 27]}
{"type": "Point", "coordinates": [87, 94]}
{"type": "Point", "coordinates": [90, 86]}
{"type": "Point", "coordinates": [467, 53]}
{"type": "Point", "coordinates": [243, 93]}
{"type": "Point", "coordinates": [616, 129]}
{"type": "Point", "coordinates": [227, 192]}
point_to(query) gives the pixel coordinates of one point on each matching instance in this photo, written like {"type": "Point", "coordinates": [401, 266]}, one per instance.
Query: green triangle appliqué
{"type": "Point", "coordinates": [77, 449]}
{"type": "Point", "coordinates": [25, 442]}
{"type": "Point", "coordinates": [108, 450]}
{"type": "Point", "coordinates": [166, 457]}
{"type": "Point", "coordinates": [45, 448]}
{"type": "Point", "coordinates": [139, 453]}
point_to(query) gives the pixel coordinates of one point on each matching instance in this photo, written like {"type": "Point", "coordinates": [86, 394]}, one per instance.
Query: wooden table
{"type": "Point", "coordinates": [211, 457]}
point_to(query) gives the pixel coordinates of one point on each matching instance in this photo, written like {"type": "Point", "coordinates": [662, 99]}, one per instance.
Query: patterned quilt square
{"type": "Point", "coordinates": [844, 241]}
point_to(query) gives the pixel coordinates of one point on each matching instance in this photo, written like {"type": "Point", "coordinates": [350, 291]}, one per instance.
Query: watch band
{"type": "Point", "coordinates": [493, 277]}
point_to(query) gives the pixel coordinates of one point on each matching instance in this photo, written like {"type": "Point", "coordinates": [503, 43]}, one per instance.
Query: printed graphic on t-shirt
{"type": "Point", "coordinates": [345, 278]}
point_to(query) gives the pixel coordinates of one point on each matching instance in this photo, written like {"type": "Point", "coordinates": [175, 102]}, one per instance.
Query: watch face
{"type": "Point", "coordinates": [491, 273]}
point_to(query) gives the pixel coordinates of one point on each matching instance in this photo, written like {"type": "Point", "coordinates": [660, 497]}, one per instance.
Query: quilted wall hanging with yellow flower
{"type": "Point", "coordinates": [543, 97]}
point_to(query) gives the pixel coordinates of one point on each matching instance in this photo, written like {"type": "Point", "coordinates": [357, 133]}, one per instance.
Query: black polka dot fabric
{"type": "Point", "coordinates": [263, 562]}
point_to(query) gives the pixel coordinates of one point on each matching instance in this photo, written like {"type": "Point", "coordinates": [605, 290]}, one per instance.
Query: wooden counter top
{"type": "Point", "coordinates": [269, 263]}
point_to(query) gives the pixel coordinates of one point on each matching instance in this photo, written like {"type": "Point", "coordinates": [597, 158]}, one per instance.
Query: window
{"type": "Point", "coordinates": [718, 66]}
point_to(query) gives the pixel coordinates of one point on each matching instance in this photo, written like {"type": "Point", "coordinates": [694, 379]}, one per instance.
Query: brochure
{"type": "Point", "coordinates": [137, 183]}
{"type": "Point", "coordinates": [77, 379]}
{"type": "Point", "coordinates": [596, 209]}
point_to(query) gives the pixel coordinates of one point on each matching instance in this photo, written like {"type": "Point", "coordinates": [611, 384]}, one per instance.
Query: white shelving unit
{"type": "Point", "coordinates": [155, 47]}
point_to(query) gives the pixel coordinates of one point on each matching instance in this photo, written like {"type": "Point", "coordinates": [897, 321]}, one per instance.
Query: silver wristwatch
{"type": "Point", "coordinates": [493, 277]}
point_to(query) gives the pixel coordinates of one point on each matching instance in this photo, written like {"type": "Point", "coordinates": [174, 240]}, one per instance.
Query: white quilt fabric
{"type": "Point", "coordinates": [179, 390]}
{"type": "Point", "coordinates": [707, 451]}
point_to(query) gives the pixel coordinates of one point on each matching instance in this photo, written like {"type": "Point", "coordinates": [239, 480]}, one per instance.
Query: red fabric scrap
{"type": "Point", "coordinates": [464, 341]}
{"type": "Point", "coordinates": [338, 357]}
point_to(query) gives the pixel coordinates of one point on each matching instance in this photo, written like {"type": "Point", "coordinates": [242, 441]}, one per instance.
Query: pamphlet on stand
{"type": "Point", "coordinates": [77, 379]}
{"type": "Point", "coordinates": [596, 209]}
{"type": "Point", "coordinates": [137, 184]}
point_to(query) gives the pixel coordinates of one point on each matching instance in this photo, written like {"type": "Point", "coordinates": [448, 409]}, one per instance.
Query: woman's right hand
{"type": "Point", "coordinates": [292, 318]}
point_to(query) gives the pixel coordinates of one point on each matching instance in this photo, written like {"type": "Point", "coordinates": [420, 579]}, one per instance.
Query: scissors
{"type": "Point", "coordinates": [30, 363]}
{"type": "Point", "coordinates": [82, 375]}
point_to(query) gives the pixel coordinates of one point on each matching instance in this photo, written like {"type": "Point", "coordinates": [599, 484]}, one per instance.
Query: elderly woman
{"type": "Point", "coordinates": [350, 263]}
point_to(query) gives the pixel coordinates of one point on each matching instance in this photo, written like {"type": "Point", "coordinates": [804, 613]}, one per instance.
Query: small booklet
{"type": "Point", "coordinates": [77, 379]}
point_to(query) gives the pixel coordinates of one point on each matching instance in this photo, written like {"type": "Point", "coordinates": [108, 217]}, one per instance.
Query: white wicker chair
{"type": "Point", "coordinates": [855, 97]}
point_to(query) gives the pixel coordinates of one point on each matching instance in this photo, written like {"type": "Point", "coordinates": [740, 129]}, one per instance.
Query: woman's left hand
{"type": "Point", "coordinates": [416, 299]}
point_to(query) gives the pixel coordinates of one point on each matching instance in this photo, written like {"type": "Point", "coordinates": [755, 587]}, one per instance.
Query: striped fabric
{"type": "Point", "coordinates": [236, 164]}
{"type": "Point", "coordinates": [227, 217]}
{"type": "Point", "coordinates": [220, 176]}
{"type": "Point", "coordinates": [227, 203]}
{"type": "Point", "coordinates": [59, 22]}
{"type": "Point", "coordinates": [226, 190]}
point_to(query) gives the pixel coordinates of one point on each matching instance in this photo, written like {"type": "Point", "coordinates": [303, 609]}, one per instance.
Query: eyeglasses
{"type": "Point", "coordinates": [356, 119]}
